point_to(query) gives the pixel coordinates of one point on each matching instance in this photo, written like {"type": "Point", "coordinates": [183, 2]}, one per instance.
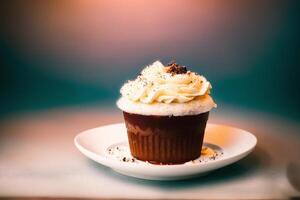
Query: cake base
{"type": "Point", "coordinates": [165, 139]}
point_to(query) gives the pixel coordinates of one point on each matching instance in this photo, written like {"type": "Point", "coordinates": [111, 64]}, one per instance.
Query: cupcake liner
{"type": "Point", "coordinates": [165, 139]}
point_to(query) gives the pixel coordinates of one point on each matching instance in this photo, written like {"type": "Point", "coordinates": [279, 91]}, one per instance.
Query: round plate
{"type": "Point", "coordinates": [108, 145]}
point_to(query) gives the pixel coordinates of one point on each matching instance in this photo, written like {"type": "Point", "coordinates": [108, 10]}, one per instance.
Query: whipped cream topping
{"type": "Point", "coordinates": [166, 90]}
{"type": "Point", "coordinates": [159, 83]}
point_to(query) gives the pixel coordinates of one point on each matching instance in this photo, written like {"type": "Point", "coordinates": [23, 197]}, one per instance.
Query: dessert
{"type": "Point", "coordinates": [166, 109]}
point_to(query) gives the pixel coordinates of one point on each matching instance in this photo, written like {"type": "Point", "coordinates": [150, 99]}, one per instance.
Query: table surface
{"type": "Point", "coordinates": [38, 159]}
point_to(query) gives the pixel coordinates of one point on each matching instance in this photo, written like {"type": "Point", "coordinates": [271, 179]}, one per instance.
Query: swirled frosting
{"type": "Point", "coordinates": [156, 84]}
{"type": "Point", "coordinates": [166, 90]}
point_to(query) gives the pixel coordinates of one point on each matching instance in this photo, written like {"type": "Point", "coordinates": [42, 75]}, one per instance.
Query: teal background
{"type": "Point", "coordinates": [249, 51]}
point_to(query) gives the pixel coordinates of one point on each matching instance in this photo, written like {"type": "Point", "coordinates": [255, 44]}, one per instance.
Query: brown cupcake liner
{"type": "Point", "coordinates": [164, 139]}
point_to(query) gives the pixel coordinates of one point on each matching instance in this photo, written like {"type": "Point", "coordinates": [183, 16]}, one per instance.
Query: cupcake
{"type": "Point", "coordinates": [165, 110]}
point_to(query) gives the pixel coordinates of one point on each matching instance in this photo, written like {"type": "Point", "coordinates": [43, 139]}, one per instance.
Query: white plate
{"type": "Point", "coordinates": [225, 146]}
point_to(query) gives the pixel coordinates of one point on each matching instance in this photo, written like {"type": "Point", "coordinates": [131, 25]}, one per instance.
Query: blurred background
{"type": "Point", "coordinates": [63, 62]}
{"type": "Point", "coordinates": [78, 53]}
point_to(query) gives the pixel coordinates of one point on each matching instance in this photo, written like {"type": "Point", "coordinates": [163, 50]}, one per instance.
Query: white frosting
{"type": "Point", "coordinates": [155, 84]}
{"type": "Point", "coordinates": [157, 92]}
{"type": "Point", "coordinates": [194, 107]}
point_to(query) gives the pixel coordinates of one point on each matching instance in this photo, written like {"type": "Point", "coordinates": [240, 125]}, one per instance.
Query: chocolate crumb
{"type": "Point", "coordinates": [174, 68]}
{"type": "Point", "coordinates": [124, 159]}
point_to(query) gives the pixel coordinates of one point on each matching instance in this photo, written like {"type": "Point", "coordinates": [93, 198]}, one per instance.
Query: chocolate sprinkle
{"type": "Point", "coordinates": [174, 68]}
